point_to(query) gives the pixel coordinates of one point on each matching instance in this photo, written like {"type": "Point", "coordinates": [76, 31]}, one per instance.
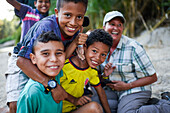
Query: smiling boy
{"type": "Point", "coordinates": [49, 59]}
{"type": "Point", "coordinates": [29, 17]}
{"type": "Point", "coordinates": [77, 73]}
{"type": "Point", "coordinates": [66, 23]}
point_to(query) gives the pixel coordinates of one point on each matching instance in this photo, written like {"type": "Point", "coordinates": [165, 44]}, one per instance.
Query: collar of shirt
{"type": "Point", "coordinates": [120, 42]}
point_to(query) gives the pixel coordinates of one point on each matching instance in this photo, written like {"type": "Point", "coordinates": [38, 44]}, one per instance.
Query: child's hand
{"type": "Point", "coordinates": [81, 37]}
{"type": "Point", "coordinates": [80, 52]}
{"type": "Point", "coordinates": [108, 69]}
{"type": "Point", "coordinates": [59, 94]}
{"type": "Point", "coordinates": [82, 100]}
{"type": "Point", "coordinates": [81, 41]}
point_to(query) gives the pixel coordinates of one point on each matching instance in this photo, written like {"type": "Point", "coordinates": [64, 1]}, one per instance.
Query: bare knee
{"type": "Point", "coordinates": [92, 107]}
{"type": "Point", "coordinates": [95, 107]}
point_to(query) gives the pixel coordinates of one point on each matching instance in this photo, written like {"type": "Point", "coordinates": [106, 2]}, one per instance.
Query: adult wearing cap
{"type": "Point", "coordinates": [130, 69]}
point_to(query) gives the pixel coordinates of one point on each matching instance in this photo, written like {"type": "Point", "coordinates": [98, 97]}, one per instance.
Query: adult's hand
{"type": "Point", "coordinates": [59, 94]}
{"type": "Point", "coordinates": [119, 85]}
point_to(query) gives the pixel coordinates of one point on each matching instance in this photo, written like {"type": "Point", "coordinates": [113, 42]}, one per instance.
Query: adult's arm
{"type": "Point", "coordinates": [26, 65]}
{"type": "Point", "coordinates": [15, 4]}
{"type": "Point", "coordinates": [120, 85]}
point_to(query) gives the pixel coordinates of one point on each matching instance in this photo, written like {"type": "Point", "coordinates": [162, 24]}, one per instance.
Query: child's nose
{"type": "Point", "coordinates": [43, 3]}
{"type": "Point", "coordinates": [97, 56]}
{"type": "Point", "coordinates": [53, 58]}
{"type": "Point", "coordinates": [73, 21]}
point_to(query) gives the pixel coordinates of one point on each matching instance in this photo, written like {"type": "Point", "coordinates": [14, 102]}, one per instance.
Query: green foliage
{"type": "Point", "coordinates": [9, 30]}
{"type": "Point", "coordinates": [6, 39]}
{"type": "Point", "coordinates": [5, 28]}
{"type": "Point", "coordinates": [52, 7]}
{"type": "Point", "coordinates": [16, 35]}
{"type": "Point", "coordinates": [140, 14]}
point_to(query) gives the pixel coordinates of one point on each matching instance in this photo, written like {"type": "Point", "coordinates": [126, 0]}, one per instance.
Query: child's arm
{"type": "Point", "coordinates": [79, 40]}
{"type": "Point", "coordinates": [78, 101]}
{"type": "Point", "coordinates": [120, 85]}
{"type": "Point", "coordinates": [103, 98]}
{"type": "Point", "coordinates": [15, 4]}
{"type": "Point", "coordinates": [34, 73]}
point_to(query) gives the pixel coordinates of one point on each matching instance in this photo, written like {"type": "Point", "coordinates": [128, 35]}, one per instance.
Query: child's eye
{"type": "Point", "coordinates": [68, 15]}
{"type": "Point", "coordinates": [79, 17]}
{"type": "Point", "coordinates": [40, 1]}
{"type": "Point", "coordinates": [47, 1]}
{"type": "Point", "coordinates": [94, 51]}
{"type": "Point", "coordinates": [45, 54]}
{"type": "Point", "coordinates": [103, 55]}
{"type": "Point", "coordinates": [59, 53]}
{"type": "Point", "coordinates": [112, 24]}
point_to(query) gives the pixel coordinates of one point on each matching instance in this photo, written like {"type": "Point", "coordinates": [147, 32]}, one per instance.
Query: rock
{"type": "Point", "coordinates": [157, 46]}
{"type": "Point", "coordinates": [158, 38]}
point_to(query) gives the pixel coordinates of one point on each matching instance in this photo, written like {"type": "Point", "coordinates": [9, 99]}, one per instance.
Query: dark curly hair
{"type": "Point", "coordinates": [99, 35]}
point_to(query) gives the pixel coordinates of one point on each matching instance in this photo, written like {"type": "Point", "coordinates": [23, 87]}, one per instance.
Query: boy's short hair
{"type": "Point", "coordinates": [99, 35]}
{"type": "Point", "coordinates": [59, 3]}
{"type": "Point", "coordinates": [45, 37]}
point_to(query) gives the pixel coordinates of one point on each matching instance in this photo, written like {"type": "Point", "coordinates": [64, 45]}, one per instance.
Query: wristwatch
{"type": "Point", "coordinates": [51, 85]}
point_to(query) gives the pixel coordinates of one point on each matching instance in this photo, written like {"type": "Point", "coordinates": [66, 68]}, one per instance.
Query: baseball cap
{"type": "Point", "coordinates": [86, 21]}
{"type": "Point", "coordinates": [110, 15]}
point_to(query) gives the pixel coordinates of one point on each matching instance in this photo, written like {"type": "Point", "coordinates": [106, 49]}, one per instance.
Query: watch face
{"type": "Point", "coordinates": [52, 83]}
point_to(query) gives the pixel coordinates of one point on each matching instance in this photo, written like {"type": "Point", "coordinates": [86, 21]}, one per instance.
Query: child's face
{"type": "Point", "coordinates": [70, 17]}
{"type": "Point", "coordinates": [48, 57]}
{"type": "Point", "coordinates": [96, 54]}
{"type": "Point", "coordinates": [42, 6]}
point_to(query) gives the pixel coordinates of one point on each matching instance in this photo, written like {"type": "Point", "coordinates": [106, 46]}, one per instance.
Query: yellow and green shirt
{"type": "Point", "coordinates": [74, 80]}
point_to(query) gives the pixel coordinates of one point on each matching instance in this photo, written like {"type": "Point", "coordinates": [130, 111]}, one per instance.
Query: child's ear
{"type": "Point", "coordinates": [85, 47]}
{"type": "Point", "coordinates": [56, 12]}
{"type": "Point", "coordinates": [33, 59]}
{"type": "Point", "coordinates": [35, 3]}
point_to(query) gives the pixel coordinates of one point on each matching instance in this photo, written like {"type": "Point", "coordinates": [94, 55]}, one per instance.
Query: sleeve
{"type": "Point", "coordinates": [142, 62]}
{"type": "Point", "coordinates": [23, 11]}
{"type": "Point", "coordinates": [94, 79]}
{"type": "Point", "coordinates": [31, 35]}
{"type": "Point", "coordinates": [27, 104]}
{"type": "Point", "coordinates": [63, 78]}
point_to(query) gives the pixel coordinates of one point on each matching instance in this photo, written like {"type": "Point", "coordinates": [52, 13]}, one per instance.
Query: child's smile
{"type": "Point", "coordinates": [70, 18]}
{"type": "Point", "coordinates": [42, 6]}
{"type": "Point", "coordinates": [49, 58]}
{"type": "Point", "coordinates": [96, 54]}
